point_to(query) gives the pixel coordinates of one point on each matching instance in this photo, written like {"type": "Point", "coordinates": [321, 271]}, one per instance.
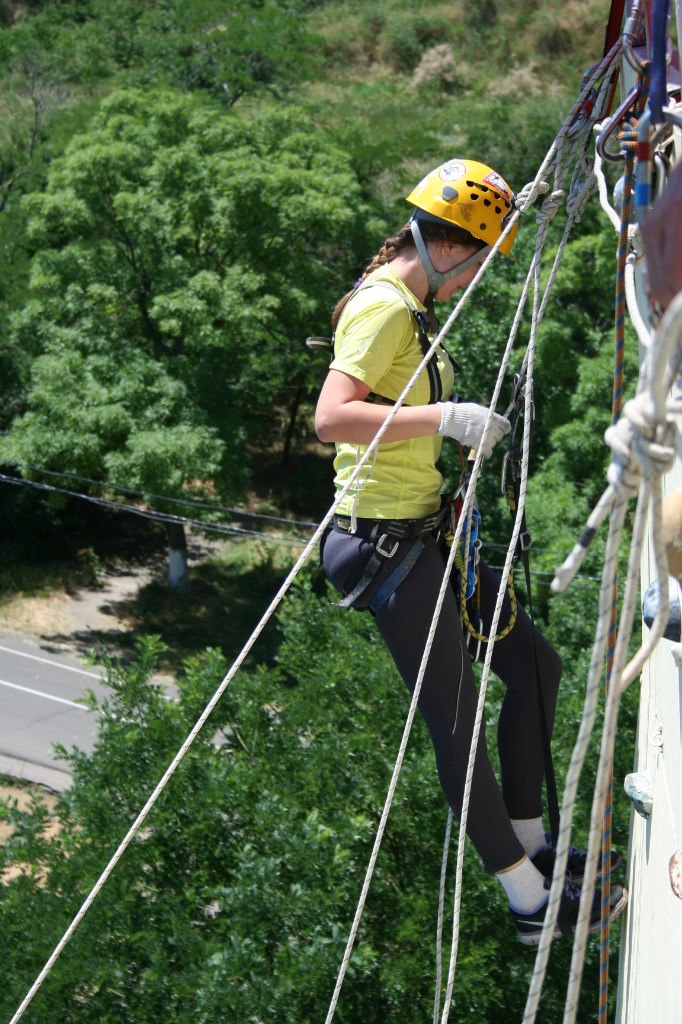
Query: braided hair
{"type": "Point", "coordinates": [432, 231]}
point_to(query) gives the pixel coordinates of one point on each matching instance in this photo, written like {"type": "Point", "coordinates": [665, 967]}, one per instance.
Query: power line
{"type": "Point", "coordinates": [164, 517]}
{"type": "Point", "coordinates": [237, 513]}
{"type": "Point", "coordinates": [221, 528]}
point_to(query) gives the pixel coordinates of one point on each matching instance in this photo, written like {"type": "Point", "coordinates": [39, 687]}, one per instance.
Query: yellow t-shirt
{"type": "Point", "coordinates": [377, 342]}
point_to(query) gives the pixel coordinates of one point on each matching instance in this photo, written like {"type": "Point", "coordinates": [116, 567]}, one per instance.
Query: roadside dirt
{"type": "Point", "coordinates": [22, 795]}
{"type": "Point", "coordinates": [93, 617]}
{"type": "Point", "coordinates": [70, 615]}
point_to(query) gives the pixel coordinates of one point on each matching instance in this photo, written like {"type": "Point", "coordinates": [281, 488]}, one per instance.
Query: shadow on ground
{"type": "Point", "coordinates": [221, 608]}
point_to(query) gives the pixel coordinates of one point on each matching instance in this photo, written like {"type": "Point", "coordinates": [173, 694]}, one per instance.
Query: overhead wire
{"type": "Point", "coordinates": [154, 514]}
{"type": "Point", "coordinates": [236, 512]}
{"type": "Point", "coordinates": [236, 531]}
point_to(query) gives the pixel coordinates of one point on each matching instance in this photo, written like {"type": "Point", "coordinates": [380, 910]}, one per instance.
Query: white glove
{"type": "Point", "coordinates": [465, 421]}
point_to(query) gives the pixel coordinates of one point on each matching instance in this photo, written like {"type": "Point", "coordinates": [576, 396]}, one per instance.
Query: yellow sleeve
{"type": "Point", "coordinates": [368, 340]}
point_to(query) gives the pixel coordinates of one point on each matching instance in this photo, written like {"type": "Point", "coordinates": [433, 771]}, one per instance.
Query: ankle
{"type": "Point", "coordinates": [524, 886]}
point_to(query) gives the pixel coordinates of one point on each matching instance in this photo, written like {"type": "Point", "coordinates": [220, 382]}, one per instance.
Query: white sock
{"type": "Point", "coordinates": [524, 886]}
{"type": "Point", "coordinates": [530, 832]}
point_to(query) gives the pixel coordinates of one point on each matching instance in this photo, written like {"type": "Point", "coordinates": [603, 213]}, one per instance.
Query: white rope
{"type": "Point", "coordinates": [644, 334]}
{"type": "Point", "coordinates": [643, 449]}
{"type": "Point", "coordinates": [607, 748]}
{"type": "Point", "coordinates": [575, 767]}
{"type": "Point", "coordinates": [551, 205]}
{"type": "Point", "coordinates": [545, 215]}
{"type": "Point", "coordinates": [603, 188]}
{"type": "Point", "coordinates": [441, 913]}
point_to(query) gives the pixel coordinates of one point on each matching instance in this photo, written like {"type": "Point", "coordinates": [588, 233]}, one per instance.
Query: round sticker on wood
{"type": "Point", "coordinates": [675, 869]}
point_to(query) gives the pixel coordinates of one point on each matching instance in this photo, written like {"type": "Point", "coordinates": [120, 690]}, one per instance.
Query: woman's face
{"type": "Point", "coordinates": [446, 257]}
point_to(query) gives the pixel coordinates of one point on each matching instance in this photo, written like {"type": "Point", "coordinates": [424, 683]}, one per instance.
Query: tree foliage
{"type": "Point", "coordinates": [171, 229]}
{"type": "Point", "coordinates": [235, 900]}
{"type": "Point", "coordinates": [181, 257]}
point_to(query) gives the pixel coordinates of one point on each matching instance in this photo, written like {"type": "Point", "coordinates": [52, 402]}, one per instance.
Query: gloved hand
{"type": "Point", "coordinates": [465, 422]}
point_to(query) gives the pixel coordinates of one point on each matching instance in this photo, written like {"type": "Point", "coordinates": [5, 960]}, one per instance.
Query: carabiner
{"type": "Point", "coordinates": [630, 31]}
{"type": "Point", "coordinates": [613, 122]}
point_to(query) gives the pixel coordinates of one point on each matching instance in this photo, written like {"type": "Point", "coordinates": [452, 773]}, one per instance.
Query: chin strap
{"type": "Point", "coordinates": [435, 278]}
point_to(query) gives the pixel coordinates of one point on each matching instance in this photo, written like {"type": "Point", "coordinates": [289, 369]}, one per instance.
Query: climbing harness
{"type": "Point", "coordinates": [387, 535]}
{"type": "Point", "coordinates": [427, 327]}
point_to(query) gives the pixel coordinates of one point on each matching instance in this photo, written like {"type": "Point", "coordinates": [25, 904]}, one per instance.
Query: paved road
{"type": "Point", "coordinates": [39, 692]}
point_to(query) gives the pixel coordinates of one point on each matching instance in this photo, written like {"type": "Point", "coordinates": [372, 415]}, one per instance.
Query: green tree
{"type": "Point", "coordinates": [235, 901]}
{"type": "Point", "coordinates": [181, 257]}
{"type": "Point", "coordinates": [229, 50]}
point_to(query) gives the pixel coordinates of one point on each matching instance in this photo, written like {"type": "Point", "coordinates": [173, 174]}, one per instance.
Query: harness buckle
{"type": "Point", "coordinates": [508, 455]}
{"type": "Point", "coordinates": [525, 540]}
{"type": "Point", "coordinates": [380, 546]}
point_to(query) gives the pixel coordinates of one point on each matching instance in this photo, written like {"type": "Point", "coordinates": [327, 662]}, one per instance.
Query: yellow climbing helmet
{"type": "Point", "coordinates": [470, 195]}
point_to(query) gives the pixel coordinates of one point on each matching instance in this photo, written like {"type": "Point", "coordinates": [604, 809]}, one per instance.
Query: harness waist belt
{"type": "Point", "coordinates": [373, 529]}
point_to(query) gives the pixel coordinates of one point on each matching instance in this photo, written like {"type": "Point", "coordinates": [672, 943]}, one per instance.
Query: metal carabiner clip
{"type": "Point", "coordinates": [631, 30]}
{"type": "Point", "coordinates": [613, 122]}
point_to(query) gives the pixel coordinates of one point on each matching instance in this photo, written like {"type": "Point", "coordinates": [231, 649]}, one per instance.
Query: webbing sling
{"type": "Point", "coordinates": [389, 585]}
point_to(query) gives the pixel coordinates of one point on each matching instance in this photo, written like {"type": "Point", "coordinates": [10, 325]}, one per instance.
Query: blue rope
{"type": "Point", "coordinates": [658, 93]}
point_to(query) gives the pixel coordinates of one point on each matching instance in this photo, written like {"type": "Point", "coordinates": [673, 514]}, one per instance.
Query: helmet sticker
{"type": "Point", "coordinates": [452, 170]}
{"type": "Point", "coordinates": [496, 181]}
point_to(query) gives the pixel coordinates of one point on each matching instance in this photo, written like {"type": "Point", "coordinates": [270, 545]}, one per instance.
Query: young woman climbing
{"type": "Point", "coordinates": [385, 551]}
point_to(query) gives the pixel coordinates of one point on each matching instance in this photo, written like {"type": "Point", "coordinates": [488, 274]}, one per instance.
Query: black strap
{"type": "Point", "coordinates": [435, 384]}
{"type": "Point", "coordinates": [391, 584]}
{"type": "Point", "coordinates": [512, 495]}
{"type": "Point", "coordinates": [397, 576]}
{"type": "Point", "coordinates": [371, 569]}
{"type": "Point", "coordinates": [427, 325]}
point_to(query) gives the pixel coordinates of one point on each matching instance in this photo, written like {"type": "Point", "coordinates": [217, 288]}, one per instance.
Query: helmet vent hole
{"type": "Point", "coordinates": [482, 227]}
{"type": "Point", "coordinates": [487, 202]}
{"type": "Point", "coordinates": [498, 210]}
{"type": "Point", "coordinates": [473, 196]}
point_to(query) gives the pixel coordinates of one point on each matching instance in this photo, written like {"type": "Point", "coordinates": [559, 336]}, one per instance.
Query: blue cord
{"type": "Point", "coordinates": [658, 92]}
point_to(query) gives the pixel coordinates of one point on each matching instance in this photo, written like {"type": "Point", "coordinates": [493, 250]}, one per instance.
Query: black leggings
{"type": "Point", "coordinates": [449, 694]}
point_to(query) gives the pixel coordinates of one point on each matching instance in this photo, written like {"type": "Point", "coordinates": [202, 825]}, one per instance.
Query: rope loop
{"type": "Point", "coordinates": [550, 206]}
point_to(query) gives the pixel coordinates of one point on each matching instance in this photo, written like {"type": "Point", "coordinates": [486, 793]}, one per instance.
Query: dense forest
{"type": "Point", "coordinates": [186, 188]}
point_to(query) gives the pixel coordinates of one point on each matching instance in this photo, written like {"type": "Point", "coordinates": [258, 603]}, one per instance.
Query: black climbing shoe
{"type": "Point", "coordinates": [575, 866]}
{"type": "Point", "coordinates": [529, 926]}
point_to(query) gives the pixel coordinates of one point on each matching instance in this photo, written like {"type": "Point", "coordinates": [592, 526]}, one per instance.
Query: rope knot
{"type": "Point", "coordinates": [529, 193]}
{"type": "Point", "coordinates": [582, 185]}
{"type": "Point", "coordinates": [550, 206]}
{"type": "Point", "coordinates": [640, 444]}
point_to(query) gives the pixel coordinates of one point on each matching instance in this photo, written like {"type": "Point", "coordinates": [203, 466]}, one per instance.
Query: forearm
{"type": "Point", "coordinates": [357, 422]}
